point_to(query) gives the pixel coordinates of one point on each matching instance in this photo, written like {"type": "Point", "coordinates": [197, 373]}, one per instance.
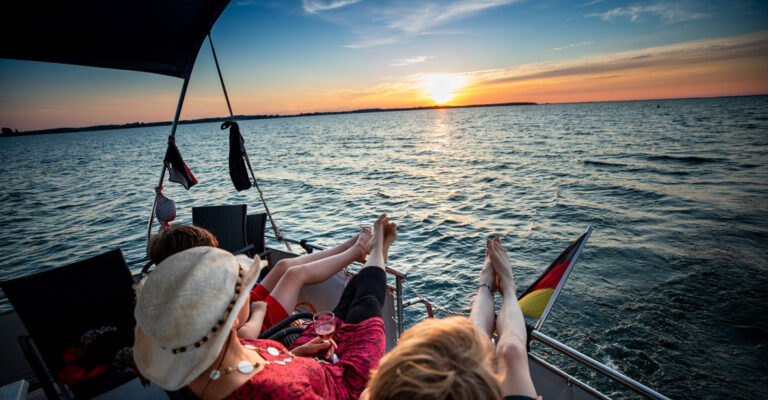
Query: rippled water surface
{"type": "Point", "coordinates": [670, 289]}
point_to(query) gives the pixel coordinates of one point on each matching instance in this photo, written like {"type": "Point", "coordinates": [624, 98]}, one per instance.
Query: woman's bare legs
{"type": "Point", "coordinates": [286, 291]}
{"type": "Point", "coordinates": [270, 281]}
{"type": "Point", "coordinates": [483, 311]}
{"type": "Point", "coordinates": [511, 351]}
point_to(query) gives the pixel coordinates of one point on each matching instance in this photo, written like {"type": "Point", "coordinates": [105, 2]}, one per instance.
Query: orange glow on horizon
{"type": "Point", "coordinates": [730, 66]}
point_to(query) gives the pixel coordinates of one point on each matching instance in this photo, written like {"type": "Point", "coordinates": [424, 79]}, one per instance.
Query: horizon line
{"type": "Point", "coordinates": [244, 117]}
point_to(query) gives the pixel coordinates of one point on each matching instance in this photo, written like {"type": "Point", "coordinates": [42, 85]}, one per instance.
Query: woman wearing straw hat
{"type": "Point", "coordinates": [187, 310]}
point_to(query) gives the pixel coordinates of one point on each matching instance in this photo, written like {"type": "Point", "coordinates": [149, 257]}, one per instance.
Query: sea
{"type": "Point", "coordinates": [671, 289]}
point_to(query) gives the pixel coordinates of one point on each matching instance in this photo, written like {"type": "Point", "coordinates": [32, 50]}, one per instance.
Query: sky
{"type": "Point", "coordinates": [294, 56]}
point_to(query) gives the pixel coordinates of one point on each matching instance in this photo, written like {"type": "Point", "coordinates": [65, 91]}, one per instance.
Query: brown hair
{"type": "Point", "coordinates": [176, 238]}
{"type": "Point", "coordinates": [437, 359]}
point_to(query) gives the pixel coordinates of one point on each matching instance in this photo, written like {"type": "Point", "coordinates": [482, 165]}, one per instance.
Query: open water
{"type": "Point", "coordinates": [671, 288]}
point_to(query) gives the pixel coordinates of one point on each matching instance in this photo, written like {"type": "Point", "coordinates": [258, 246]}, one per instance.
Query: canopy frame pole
{"type": "Point", "coordinates": [562, 281]}
{"type": "Point", "coordinates": [174, 125]}
{"type": "Point", "coordinates": [221, 78]}
{"type": "Point", "coordinates": [278, 234]}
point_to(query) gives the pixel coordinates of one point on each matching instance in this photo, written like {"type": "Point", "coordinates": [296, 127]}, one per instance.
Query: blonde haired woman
{"type": "Point", "coordinates": [453, 358]}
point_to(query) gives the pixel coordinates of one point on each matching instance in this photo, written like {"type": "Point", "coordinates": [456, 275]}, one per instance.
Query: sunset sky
{"type": "Point", "coordinates": [288, 57]}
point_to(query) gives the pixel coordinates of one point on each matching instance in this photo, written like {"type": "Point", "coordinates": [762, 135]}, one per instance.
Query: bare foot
{"type": "Point", "coordinates": [487, 274]}
{"type": "Point", "coordinates": [363, 243]}
{"type": "Point", "coordinates": [369, 248]}
{"type": "Point", "coordinates": [501, 264]}
{"type": "Point", "coordinates": [377, 251]}
{"type": "Point", "coordinates": [379, 231]}
{"type": "Point", "coordinates": [390, 234]}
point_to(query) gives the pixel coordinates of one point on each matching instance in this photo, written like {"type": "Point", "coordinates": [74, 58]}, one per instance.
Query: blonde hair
{"type": "Point", "coordinates": [437, 359]}
{"type": "Point", "coordinates": [177, 238]}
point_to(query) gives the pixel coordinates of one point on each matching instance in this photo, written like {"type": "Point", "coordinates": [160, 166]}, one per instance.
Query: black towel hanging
{"type": "Point", "coordinates": [237, 170]}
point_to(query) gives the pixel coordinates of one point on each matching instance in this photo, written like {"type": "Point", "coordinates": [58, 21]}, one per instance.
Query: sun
{"type": "Point", "coordinates": [442, 88]}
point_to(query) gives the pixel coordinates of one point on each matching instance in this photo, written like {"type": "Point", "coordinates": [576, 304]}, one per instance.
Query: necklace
{"type": "Point", "coordinates": [246, 367]}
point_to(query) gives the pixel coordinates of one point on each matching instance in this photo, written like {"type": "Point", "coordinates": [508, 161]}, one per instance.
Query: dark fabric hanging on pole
{"type": "Point", "coordinates": [237, 170]}
{"type": "Point", "coordinates": [177, 169]}
{"type": "Point", "coordinates": [237, 154]}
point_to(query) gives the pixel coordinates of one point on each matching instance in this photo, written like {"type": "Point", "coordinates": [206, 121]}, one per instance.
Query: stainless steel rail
{"type": "Point", "coordinates": [598, 366]}
{"type": "Point", "coordinates": [569, 379]}
{"type": "Point", "coordinates": [421, 300]}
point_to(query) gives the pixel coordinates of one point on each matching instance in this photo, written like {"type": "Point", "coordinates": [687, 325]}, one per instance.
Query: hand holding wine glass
{"type": "Point", "coordinates": [325, 326]}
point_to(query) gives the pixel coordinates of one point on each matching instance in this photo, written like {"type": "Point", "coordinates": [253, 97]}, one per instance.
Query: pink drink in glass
{"type": "Point", "coordinates": [325, 325]}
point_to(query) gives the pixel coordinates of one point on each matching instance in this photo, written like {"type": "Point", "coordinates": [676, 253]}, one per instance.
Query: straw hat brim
{"type": "Point", "coordinates": [173, 371]}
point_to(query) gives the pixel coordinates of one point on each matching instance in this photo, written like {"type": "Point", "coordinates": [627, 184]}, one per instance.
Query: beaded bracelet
{"type": "Point", "coordinates": [488, 286]}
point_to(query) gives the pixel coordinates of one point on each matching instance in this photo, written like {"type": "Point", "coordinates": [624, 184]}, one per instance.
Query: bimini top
{"type": "Point", "coordinates": [159, 36]}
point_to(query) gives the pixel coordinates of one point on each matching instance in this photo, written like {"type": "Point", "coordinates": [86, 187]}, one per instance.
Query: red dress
{"type": "Point", "coordinates": [361, 346]}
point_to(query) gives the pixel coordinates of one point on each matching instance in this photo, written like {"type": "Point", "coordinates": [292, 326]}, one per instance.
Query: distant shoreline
{"type": "Point", "coordinates": [7, 133]}
{"type": "Point", "coordinates": [245, 118]}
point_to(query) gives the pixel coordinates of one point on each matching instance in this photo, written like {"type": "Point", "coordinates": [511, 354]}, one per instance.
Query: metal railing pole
{"type": "Point", "coordinates": [173, 135]}
{"type": "Point", "coordinates": [399, 292]}
{"type": "Point", "coordinates": [598, 366]}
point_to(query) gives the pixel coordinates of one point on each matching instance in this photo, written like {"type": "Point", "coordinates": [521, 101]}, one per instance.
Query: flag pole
{"type": "Point", "coordinates": [560, 284]}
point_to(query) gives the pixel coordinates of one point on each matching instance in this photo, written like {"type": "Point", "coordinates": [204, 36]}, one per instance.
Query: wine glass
{"type": "Point", "coordinates": [325, 326]}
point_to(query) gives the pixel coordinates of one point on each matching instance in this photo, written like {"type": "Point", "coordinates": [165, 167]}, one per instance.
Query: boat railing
{"type": "Point", "coordinates": [598, 366]}
{"type": "Point", "coordinates": [417, 300]}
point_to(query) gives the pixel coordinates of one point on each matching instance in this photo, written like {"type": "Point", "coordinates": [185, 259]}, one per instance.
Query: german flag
{"type": "Point", "coordinates": [539, 295]}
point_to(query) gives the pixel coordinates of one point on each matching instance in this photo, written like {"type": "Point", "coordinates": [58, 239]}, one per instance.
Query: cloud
{"type": "Point", "coordinates": [571, 45]}
{"type": "Point", "coordinates": [670, 57]}
{"type": "Point", "coordinates": [381, 22]}
{"type": "Point", "coordinates": [668, 13]}
{"type": "Point", "coordinates": [402, 62]}
{"type": "Point", "coordinates": [373, 42]}
{"type": "Point", "coordinates": [315, 6]}
{"type": "Point", "coordinates": [430, 14]}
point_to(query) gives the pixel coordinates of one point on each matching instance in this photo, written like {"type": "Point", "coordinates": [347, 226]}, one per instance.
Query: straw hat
{"type": "Point", "coordinates": [185, 310]}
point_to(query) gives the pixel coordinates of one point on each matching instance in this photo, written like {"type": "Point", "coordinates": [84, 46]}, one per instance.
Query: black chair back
{"type": "Point", "coordinates": [227, 223]}
{"type": "Point", "coordinates": [256, 225]}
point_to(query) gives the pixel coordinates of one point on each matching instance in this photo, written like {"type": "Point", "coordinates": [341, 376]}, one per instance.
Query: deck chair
{"type": "Point", "coordinates": [57, 306]}
{"type": "Point", "coordinates": [227, 223]}
{"type": "Point", "coordinates": [255, 229]}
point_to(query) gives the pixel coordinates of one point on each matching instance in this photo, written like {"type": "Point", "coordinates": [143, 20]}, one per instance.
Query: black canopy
{"type": "Point", "coordinates": [160, 36]}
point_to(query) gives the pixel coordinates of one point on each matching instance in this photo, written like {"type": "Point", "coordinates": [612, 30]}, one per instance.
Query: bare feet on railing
{"type": "Point", "coordinates": [384, 233]}
{"type": "Point", "coordinates": [502, 266]}
{"type": "Point", "coordinates": [390, 234]}
{"type": "Point", "coordinates": [363, 243]}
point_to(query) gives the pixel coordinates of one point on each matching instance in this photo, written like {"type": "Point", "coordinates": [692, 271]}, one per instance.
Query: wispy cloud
{"type": "Point", "coordinates": [373, 42]}
{"type": "Point", "coordinates": [667, 13]}
{"type": "Point", "coordinates": [669, 57]}
{"type": "Point", "coordinates": [571, 45]}
{"type": "Point", "coordinates": [386, 22]}
{"type": "Point", "coordinates": [315, 6]}
{"type": "Point", "coordinates": [402, 62]}
{"type": "Point", "coordinates": [431, 14]}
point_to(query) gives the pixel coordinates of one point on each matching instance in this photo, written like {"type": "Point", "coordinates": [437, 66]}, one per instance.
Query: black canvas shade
{"type": "Point", "coordinates": [158, 36]}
